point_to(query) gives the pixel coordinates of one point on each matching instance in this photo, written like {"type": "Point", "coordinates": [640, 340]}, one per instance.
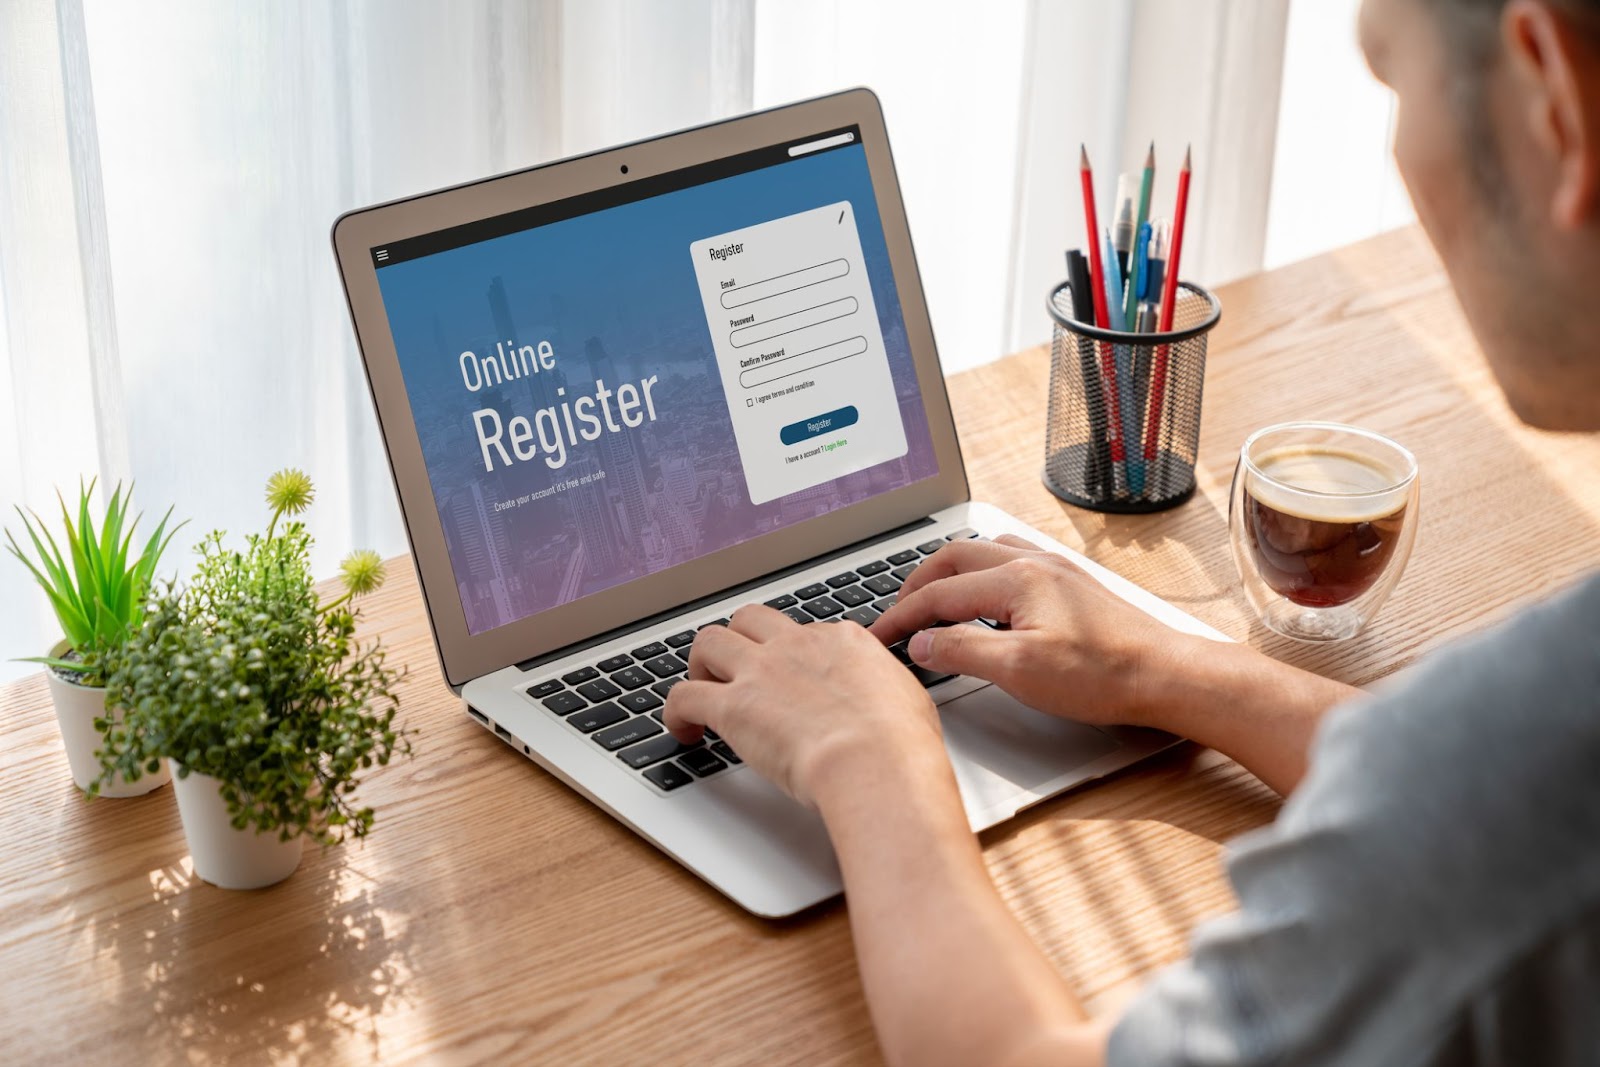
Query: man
{"type": "Point", "coordinates": [1430, 893]}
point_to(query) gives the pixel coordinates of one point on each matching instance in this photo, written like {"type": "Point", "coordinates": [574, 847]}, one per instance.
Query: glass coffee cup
{"type": "Point", "coordinates": [1321, 518]}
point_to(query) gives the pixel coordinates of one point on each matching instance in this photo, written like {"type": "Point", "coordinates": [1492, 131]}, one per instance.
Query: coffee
{"type": "Point", "coordinates": [1322, 523]}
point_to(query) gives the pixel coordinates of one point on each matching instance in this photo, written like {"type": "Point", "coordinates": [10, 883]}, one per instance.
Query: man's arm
{"type": "Point", "coordinates": [1075, 649]}
{"type": "Point", "coordinates": [950, 975]}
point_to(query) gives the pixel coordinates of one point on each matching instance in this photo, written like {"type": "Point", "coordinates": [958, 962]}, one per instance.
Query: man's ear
{"type": "Point", "coordinates": [1555, 67]}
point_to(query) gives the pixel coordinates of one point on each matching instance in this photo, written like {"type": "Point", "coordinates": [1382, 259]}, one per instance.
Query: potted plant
{"type": "Point", "coordinates": [98, 593]}
{"type": "Point", "coordinates": [259, 693]}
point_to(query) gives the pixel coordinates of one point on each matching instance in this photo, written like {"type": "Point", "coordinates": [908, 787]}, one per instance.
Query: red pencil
{"type": "Point", "coordinates": [1097, 281]}
{"type": "Point", "coordinates": [1169, 303]}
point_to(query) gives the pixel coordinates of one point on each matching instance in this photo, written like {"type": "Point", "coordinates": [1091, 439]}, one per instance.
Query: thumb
{"type": "Point", "coordinates": [968, 648]}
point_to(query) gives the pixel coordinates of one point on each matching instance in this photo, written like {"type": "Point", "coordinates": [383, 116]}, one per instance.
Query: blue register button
{"type": "Point", "coordinates": [796, 432]}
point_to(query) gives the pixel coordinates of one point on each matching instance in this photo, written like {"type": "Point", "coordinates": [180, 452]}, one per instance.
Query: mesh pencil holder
{"type": "Point", "coordinates": [1124, 421]}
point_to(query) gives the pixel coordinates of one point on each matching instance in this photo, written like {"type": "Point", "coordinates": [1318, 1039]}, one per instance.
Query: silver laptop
{"type": "Point", "coordinates": [624, 394]}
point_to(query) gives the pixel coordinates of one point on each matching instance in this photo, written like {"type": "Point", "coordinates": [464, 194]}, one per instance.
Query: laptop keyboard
{"type": "Point", "coordinates": [618, 702]}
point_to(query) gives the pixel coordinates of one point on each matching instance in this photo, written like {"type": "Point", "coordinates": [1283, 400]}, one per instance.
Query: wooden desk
{"type": "Point", "coordinates": [496, 917]}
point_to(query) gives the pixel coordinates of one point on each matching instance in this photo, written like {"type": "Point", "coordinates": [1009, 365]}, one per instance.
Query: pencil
{"type": "Point", "coordinates": [1169, 303]}
{"type": "Point", "coordinates": [1097, 282]}
{"type": "Point", "coordinates": [1130, 312]}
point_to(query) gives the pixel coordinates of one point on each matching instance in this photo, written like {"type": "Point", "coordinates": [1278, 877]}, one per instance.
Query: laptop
{"type": "Point", "coordinates": [625, 393]}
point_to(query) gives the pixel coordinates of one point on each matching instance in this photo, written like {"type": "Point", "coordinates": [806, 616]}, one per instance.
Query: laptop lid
{"type": "Point", "coordinates": [616, 383]}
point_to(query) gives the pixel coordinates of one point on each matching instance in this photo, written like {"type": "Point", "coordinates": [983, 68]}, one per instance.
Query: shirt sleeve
{"type": "Point", "coordinates": [1443, 829]}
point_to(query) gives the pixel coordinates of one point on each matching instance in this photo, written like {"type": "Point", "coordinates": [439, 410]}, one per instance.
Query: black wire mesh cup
{"type": "Point", "coordinates": [1123, 427]}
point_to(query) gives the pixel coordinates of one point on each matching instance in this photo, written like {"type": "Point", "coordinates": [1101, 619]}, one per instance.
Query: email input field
{"type": "Point", "coordinates": [784, 283]}
{"type": "Point", "coordinates": [800, 362]}
{"type": "Point", "coordinates": [795, 320]}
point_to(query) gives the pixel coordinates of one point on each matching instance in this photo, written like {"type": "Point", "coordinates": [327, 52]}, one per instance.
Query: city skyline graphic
{"type": "Point", "coordinates": [647, 498]}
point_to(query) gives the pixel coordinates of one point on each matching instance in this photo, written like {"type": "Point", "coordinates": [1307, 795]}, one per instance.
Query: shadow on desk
{"type": "Point", "coordinates": [299, 972]}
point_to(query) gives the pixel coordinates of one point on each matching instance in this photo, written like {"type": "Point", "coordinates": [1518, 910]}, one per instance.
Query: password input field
{"type": "Point", "coordinates": [753, 377]}
{"type": "Point", "coordinates": [795, 320]}
{"type": "Point", "coordinates": [784, 283]}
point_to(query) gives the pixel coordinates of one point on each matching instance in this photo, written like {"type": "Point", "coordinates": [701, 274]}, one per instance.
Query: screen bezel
{"type": "Point", "coordinates": [464, 655]}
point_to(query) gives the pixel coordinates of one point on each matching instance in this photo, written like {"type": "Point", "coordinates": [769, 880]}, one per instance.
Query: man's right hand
{"type": "Point", "coordinates": [1071, 647]}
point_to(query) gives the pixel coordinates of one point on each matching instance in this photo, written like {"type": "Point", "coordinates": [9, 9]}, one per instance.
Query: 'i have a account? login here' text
{"type": "Point", "coordinates": [797, 341]}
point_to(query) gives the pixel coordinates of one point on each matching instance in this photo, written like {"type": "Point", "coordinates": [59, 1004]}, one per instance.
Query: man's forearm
{"type": "Point", "coordinates": [950, 975]}
{"type": "Point", "coordinates": [1242, 703]}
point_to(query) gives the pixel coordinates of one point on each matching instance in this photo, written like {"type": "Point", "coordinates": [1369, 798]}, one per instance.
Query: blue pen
{"type": "Point", "coordinates": [1124, 360]}
{"type": "Point", "coordinates": [1141, 256]}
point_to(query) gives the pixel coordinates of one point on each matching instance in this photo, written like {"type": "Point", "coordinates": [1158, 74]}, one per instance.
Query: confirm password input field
{"type": "Point", "coordinates": [784, 283]}
{"type": "Point", "coordinates": [795, 320]}
{"type": "Point", "coordinates": [781, 366]}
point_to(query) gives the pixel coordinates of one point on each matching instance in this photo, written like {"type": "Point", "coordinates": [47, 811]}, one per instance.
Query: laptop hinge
{"type": "Point", "coordinates": [721, 594]}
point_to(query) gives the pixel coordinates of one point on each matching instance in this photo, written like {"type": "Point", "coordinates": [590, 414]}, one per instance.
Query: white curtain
{"type": "Point", "coordinates": [169, 170]}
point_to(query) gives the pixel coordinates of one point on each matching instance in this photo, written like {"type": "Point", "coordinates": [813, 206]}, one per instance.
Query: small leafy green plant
{"type": "Point", "coordinates": [97, 590]}
{"type": "Point", "coordinates": [248, 676]}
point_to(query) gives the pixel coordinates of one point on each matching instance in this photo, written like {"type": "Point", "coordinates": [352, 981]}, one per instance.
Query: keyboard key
{"type": "Point", "coordinates": [798, 616]}
{"type": "Point", "coordinates": [650, 651]}
{"type": "Point", "coordinates": [679, 640]}
{"type": "Point", "coordinates": [867, 570]}
{"type": "Point", "coordinates": [598, 690]}
{"type": "Point", "coordinates": [629, 732]}
{"type": "Point", "coordinates": [653, 751]}
{"type": "Point", "coordinates": [928, 548]}
{"type": "Point", "coordinates": [661, 689]}
{"type": "Point", "coordinates": [564, 703]}
{"type": "Point", "coordinates": [665, 665]}
{"type": "Point", "coordinates": [815, 589]}
{"type": "Point", "coordinates": [902, 573]}
{"type": "Point", "coordinates": [669, 776]}
{"type": "Point", "coordinates": [716, 622]}
{"type": "Point", "coordinates": [822, 607]}
{"type": "Point", "coordinates": [721, 748]}
{"type": "Point", "coordinates": [966, 533]}
{"type": "Point", "coordinates": [591, 719]}
{"type": "Point", "coordinates": [863, 615]}
{"type": "Point", "coordinates": [881, 584]}
{"type": "Point", "coordinates": [544, 689]}
{"type": "Point", "coordinates": [781, 602]}
{"type": "Point", "coordinates": [928, 678]}
{"type": "Point", "coordinates": [839, 581]}
{"type": "Point", "coordinates": [881, 606]}
{"type": "Point", "coordinates": [581, 675]}
{"type": "Point", "coordinates": [632, 678]}
{"type": "Point", "coordinates": [639, 700]}
{"type": "Point", "coordinates": [702, 762]}
{"type": "Point", "coordinates": [852, 596]}
{"type": "Point", "coordinates": [615, 663]}
{"type": "Point", "coordinates": [908, 556]}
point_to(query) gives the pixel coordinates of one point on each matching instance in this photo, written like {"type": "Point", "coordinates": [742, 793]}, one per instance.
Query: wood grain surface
{"type": "Point", "coordinates": [496, 917]}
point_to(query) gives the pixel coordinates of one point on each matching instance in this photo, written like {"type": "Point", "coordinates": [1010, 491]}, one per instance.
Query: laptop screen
{"type": "Point", "coordinates": [608, 386]}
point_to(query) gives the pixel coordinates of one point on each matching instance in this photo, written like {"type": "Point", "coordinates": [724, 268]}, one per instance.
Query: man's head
{"type": "Point", "coordinates": [1498, 140]}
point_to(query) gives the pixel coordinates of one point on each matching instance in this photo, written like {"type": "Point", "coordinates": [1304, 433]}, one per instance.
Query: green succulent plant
{"type": "Point", "coordinates": [248, 676]}
{"type": "Point", "coordinates": [97, 589]}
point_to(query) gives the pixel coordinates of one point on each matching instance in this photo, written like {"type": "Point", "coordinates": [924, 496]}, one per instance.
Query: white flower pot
{"type": "Point", "coordinates": [77, 707]}
{"type": "Point", "coordinates": [223, 856]}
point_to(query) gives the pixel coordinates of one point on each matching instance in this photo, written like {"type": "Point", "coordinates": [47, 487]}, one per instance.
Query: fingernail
{"type": "Point", "coordinates": [920, 645]}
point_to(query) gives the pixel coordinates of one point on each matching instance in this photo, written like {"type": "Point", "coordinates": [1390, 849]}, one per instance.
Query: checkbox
{"type": "Point", "coordinates": [749, 401]}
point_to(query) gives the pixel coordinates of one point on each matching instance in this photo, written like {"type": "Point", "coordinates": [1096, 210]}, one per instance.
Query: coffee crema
{"type": "Point", "coordinates": [1321, 522]}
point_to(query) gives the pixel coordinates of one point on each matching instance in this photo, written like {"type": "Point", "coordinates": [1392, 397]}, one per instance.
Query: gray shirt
{"type": "Point", "coordinates": [1431, 892]}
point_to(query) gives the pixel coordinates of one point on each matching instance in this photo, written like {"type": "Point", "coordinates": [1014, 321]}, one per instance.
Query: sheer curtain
{"type": "Point", "coordinates": [169, 171]}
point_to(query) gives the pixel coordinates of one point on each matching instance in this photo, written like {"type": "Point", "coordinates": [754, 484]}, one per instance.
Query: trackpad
{"type": "Point", "coordinates": [1003, 750]}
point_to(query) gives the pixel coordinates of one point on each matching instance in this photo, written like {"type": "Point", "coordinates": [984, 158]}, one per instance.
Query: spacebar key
{"type": "Point", "coordinates": [928, 678]}
{"type": "Point", "coordinates": [653, 751]}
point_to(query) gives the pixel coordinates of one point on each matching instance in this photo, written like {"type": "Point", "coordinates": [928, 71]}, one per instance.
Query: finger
{"type": "Point", "coordinates": [691, 707]}
{"type": "Point", "coordinates": [971, 650]}
{"type": "Point", "coordinates": [716, 653]}
{"type": "Point", "coordinates": [986, 594]}
{"type": "Point", "coordinates": [1013, 541]}
{"type": "Point", "coordinates": [957, 557]}
{"type": "Point", "coordinates": [760, 623]}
